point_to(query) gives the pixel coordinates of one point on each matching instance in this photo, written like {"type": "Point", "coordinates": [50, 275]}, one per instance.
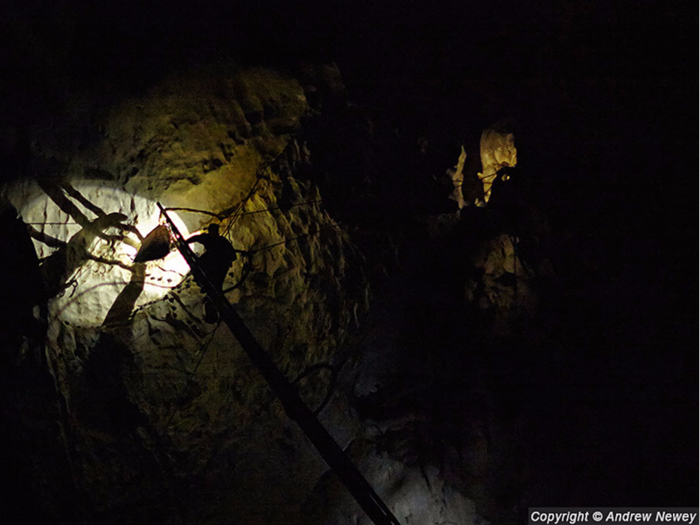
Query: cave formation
{"type": "Point", "coordinates": [447, 280]}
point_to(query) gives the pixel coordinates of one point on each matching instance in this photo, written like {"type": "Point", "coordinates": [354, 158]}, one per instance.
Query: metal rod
{"type": "Point", "coordinates": [293, 405]}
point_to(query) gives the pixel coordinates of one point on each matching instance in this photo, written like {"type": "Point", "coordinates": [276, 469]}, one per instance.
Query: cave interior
{"type": "Point", "coordinates": [465, 234]}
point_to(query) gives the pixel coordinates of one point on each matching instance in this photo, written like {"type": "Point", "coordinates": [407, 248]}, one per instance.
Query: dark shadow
{"type": "Point", "coordinates": [70, 190]}
{"type": "Point", "coordinates": [44, 238]}
{"type": "Point", "coordinates": [57, 268]}
{"type": "Point", "coordinates": [58, 192]}
{"type": "Point", "coordinates": [123, 305]}
{"type": "Point", "coordinates": [21, 289]}
{"type": "Point", "coordinates": [27, 391]}
{"type": "Point", "coordinates": [108, 405]}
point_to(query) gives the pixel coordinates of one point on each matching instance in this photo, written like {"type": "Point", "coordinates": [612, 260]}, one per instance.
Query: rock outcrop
{"type": "Point", "coordinates": [141, 396]}
{"type": "Point", "coordinates": [151, 412]}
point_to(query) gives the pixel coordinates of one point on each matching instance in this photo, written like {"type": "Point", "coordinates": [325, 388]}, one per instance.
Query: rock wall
{"type": "Point", "coordinates": [150, 399]}
{"type": "Point", "coordinates": [150, 413]}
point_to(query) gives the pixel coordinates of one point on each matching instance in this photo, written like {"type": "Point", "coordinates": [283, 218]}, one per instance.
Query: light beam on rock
{"type": "Point", "coordinates": [86, 240]}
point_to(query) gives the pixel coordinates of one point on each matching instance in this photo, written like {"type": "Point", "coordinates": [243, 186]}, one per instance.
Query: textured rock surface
{"type": "Point", "coordinates": [149, 396]}
{"type": "Point", "coordinates": [158, 415]}
{"type": "Point", "coordinates": [496, 151]}
{"type": "Point", "coordinates": [585, 396]}
{"type": "Point", "coordinates": [497, 148]}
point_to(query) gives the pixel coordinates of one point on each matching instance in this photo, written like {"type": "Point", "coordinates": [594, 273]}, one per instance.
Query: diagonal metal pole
{"type": "Point", "coordinates": [293, 405]}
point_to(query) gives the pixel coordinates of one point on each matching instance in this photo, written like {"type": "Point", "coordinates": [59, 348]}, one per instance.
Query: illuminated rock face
{"type": "Point", "coordinates": [146, 388]}
{"type": "Point", "coordinates": [410, 494]}
{"type": "Point", "coordinates": [497, 151]}
{"type": "Point", "coordinates": [457, 176]}
{"type": "Point", "coordinates": [87, 243]}
{"type": "Point", "coordinates": [159, 414]}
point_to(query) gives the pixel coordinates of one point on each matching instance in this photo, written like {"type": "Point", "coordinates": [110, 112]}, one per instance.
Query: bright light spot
{"type": "Point", "coordinates": [88, 267]}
